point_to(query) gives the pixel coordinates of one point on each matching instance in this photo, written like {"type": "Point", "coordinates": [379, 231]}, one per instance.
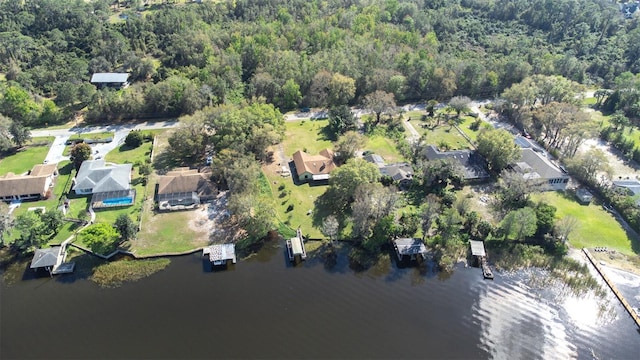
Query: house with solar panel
{"type": "Point", "coordinates": [108, 184]}
{"type": "Point", "coordinates": [112, 80]}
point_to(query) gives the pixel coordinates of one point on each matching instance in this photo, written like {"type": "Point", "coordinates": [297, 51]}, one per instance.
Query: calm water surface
{"type": "Point", "coordinates": [263, 308]}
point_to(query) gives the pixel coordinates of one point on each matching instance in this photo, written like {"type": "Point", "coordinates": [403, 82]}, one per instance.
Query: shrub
{"type": "Point", "coordinates": [134, 139]}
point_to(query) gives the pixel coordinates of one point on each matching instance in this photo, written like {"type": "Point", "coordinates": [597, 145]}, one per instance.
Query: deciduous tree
{"type": "Point", "coordinates": [379, 102]}
{"type": "Point", "coordinates": [79, 153]}
{"type": "Point", "coordinates": [126, 227]}
{"type": "Point", "coordinates": [347, 146]}
{"type": "Point", "coordinates": [102, 238]}
{"type": "Point", "coordinates": [498, 147]}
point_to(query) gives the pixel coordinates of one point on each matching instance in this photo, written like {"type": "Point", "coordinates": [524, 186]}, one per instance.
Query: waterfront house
{"type": "Point", "coordinates": [408, 248]}
{"type": "Point", "coordinates": [109, 184]}
{"type": "Point", "coordinates": [534, 165]}
{"type": "Point", "coordinates": [35, 185]}
{"type": "Point", "coordinates": [401, 173]}
{"type": "Point", "coordinates": [312, 168]}
{"type": "Point", "coordinates": [183, 188]}
{"type": "Point", "coordinates": [473, 165]}
{"type": "Point", "coordinates": [114, 80]}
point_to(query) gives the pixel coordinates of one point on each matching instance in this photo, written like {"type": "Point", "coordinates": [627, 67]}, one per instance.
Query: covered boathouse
{"type": "Point", "coordinates": [52, 259]}
{"type": "Point", "coordinates": [410, 248]}
{"type": "Point", "coordinates": [295, 247]}
{"type": "Point", "coordinates": [219, 254]}
{"type": "Point", "coordinates": [479, 253]}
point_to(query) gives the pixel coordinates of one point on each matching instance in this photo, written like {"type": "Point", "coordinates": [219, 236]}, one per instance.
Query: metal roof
{"type": "Point", "coordinates": [109, 77]}
{"type": "Point", "coordinates": [407, 246]}
{"type": "Point", "coordinates": [477, 248]}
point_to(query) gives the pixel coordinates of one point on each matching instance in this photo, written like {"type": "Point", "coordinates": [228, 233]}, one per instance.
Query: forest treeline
{"type": "Point", "coordinates": [296, 53]}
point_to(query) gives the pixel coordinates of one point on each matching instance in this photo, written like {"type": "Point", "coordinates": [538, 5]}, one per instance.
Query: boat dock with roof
{"type": "Point", "coordinates": [295, 247]}
{"type": "Point", "coordinates": [478, 251]}
{"type": "Point", "coordinates": [219, 254]}
{"type": "Point", "coordinates": [52, 259]}
{"type": "Point", "coordinates": [411, 248]}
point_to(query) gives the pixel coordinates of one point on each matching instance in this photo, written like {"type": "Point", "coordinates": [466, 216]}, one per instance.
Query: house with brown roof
{"type": "Point", "coordinates": [183, 188]}
{"type": "Point", "coordinates": [313, 167]}
{"type": "Point", "coordinates": [33, 186]}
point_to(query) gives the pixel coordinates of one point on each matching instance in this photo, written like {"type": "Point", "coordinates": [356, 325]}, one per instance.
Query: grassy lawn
{"type": "Point", "coordinates": [301, 197]}
{"type": "Point", "coordinates": [596, 227]}
{"type": "Point", "coordinates": [23, 160]}
{"type": "Point", "coordinates": [96, 136]}
{"type": "Point", "coordinates": [465, 126]}
{"type": "Point", "coordinates": [589, 101]}
{"type": "Point", "coordinates": [305, 134]}
{"type": "Point", "coordinates": [441, 134]}
{"type": "Point", "coordinates": [384, 147]}
{"type": "Point", "coordinates": [124, 154]}
{"type": "Point", "coordinates": [166, 233]}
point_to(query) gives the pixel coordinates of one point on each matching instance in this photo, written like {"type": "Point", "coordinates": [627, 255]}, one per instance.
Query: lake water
{"type": "Point", "coordinates": [264, 308]}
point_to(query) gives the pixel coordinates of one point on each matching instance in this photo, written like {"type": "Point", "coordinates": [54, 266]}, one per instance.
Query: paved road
{"type": "Point", "coordinates": [56, 151]}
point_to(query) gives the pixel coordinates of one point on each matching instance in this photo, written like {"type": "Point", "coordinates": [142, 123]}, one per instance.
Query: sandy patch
{"type": "Point", "coordinates": [214, 221]}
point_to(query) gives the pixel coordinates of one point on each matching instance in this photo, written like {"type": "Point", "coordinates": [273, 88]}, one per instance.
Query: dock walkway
{"type": "Point", "coordinates": [613, 288]}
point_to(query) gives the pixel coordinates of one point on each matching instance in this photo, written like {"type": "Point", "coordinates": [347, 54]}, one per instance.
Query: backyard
{"type": "Point", "coordinates": [596, 227]}
{"type": "Point", "coordinates": [306, 135]}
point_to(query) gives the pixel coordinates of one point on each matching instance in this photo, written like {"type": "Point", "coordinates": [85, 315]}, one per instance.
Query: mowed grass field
{"type": "Point", "coordinates": [384, 147]}
{"type": "Point", "coordinates": [443, 133]}
{"type": "Point", "coordinates": [305, 134]}
{"type": "Point", "coordinates": [23, 160]}
{"type": "Point", "coordinates": [596, 226]}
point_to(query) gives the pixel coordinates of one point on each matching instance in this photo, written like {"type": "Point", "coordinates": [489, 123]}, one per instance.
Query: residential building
{"type": "Point", "coordinates": [183, 188]}
{"type": "Point", "coordinates": [401, 173]}
{"type": "Point", "coordinates": [473, 165]}
{"type": "Point", "coordinates": [109, 183]}
{"type": "Point", "coordinates": [535, 165]}
{"type": "Point", "coordinates": [35, 185]}
{"type": "Point", "coordinates": [115, 80]}
{"type": "Point", "coordinates": [313, 167]}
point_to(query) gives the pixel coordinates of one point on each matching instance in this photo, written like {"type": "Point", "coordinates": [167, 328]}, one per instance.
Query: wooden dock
{"type": "Point", "coordinates": [613, 288]}
{"type": "Point", "coordinates": [295, 247]}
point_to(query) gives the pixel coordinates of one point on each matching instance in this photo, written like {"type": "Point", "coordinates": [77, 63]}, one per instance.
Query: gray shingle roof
{"type": "Point", "coordinates": [109, 78]}
{"type": "Point", "coordinates": [398, 171]}
{"type": "Point", "coordinates": [632, 185]}
{"type": "Point", "coordinates": [375, 159]}
{"type": "Point", "coordinates": [540, 164]}
{"type": "Point", "coordinates": [45, 257]}
{"type": "Point", "coordinates": [96, 175]}
{"type": "Point", "coordinates": [473, 164]}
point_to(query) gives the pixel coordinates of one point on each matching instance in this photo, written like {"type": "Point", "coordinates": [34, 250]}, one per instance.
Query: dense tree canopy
{"type": "Point", "coordinates": [498, 148]}
{"type": "Point", "coordinates": [182, 58]}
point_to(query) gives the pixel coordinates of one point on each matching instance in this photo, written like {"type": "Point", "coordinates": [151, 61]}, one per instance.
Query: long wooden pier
{"type": "Point", "coordinates": [613, 288]}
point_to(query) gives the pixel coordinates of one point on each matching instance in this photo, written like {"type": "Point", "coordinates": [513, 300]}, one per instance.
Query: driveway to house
{"type": "Point", "coordinates": [56, 151]}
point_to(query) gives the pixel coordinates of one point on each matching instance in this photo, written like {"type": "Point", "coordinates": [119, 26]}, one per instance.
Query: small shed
{"type": "Point", "coordinates": [584, 196]}
{"type": "Point", "coordinates": [219, 254]}
{"type": "Point", "coordinates": [409, 247]}
{"type": "Point", "coordinates": [117, 80]}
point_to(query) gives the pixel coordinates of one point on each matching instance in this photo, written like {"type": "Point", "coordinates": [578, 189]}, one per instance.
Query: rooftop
{"type": "Point", "coordinates": [314, 164]}
{"type": "Point", "coordinates": [109, 77]}
{"type": "Point", "coordinates": [539, 164]}
{"type": "Point", "coordinates": [220, 253]}
{"type": "Point", "coordinates": [473, 164]}
{"type": "Point", "coordinates": [477, 248]}
{"type": "Point", "coordinates": [97, 175]}
{"type": "Point", "coordinates": [408, 246]}
{"type": "Point", "coordinates": [45, 257]}
{"type": "Point", "coordinates": [184, 180]}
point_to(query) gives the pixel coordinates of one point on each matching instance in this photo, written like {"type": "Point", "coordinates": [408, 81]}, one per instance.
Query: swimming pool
{"type": "Point", "coordinates": [118, 201]}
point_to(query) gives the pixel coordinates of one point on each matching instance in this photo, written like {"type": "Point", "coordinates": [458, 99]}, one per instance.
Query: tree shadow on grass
{"type": "Point", "coordinates": [164, 162]}
{"type": "Point", "coordinates": [326, 134]}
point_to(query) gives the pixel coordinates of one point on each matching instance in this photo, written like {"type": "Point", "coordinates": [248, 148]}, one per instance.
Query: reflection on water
{"type": "Point", "coordinates": [267, 308]}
